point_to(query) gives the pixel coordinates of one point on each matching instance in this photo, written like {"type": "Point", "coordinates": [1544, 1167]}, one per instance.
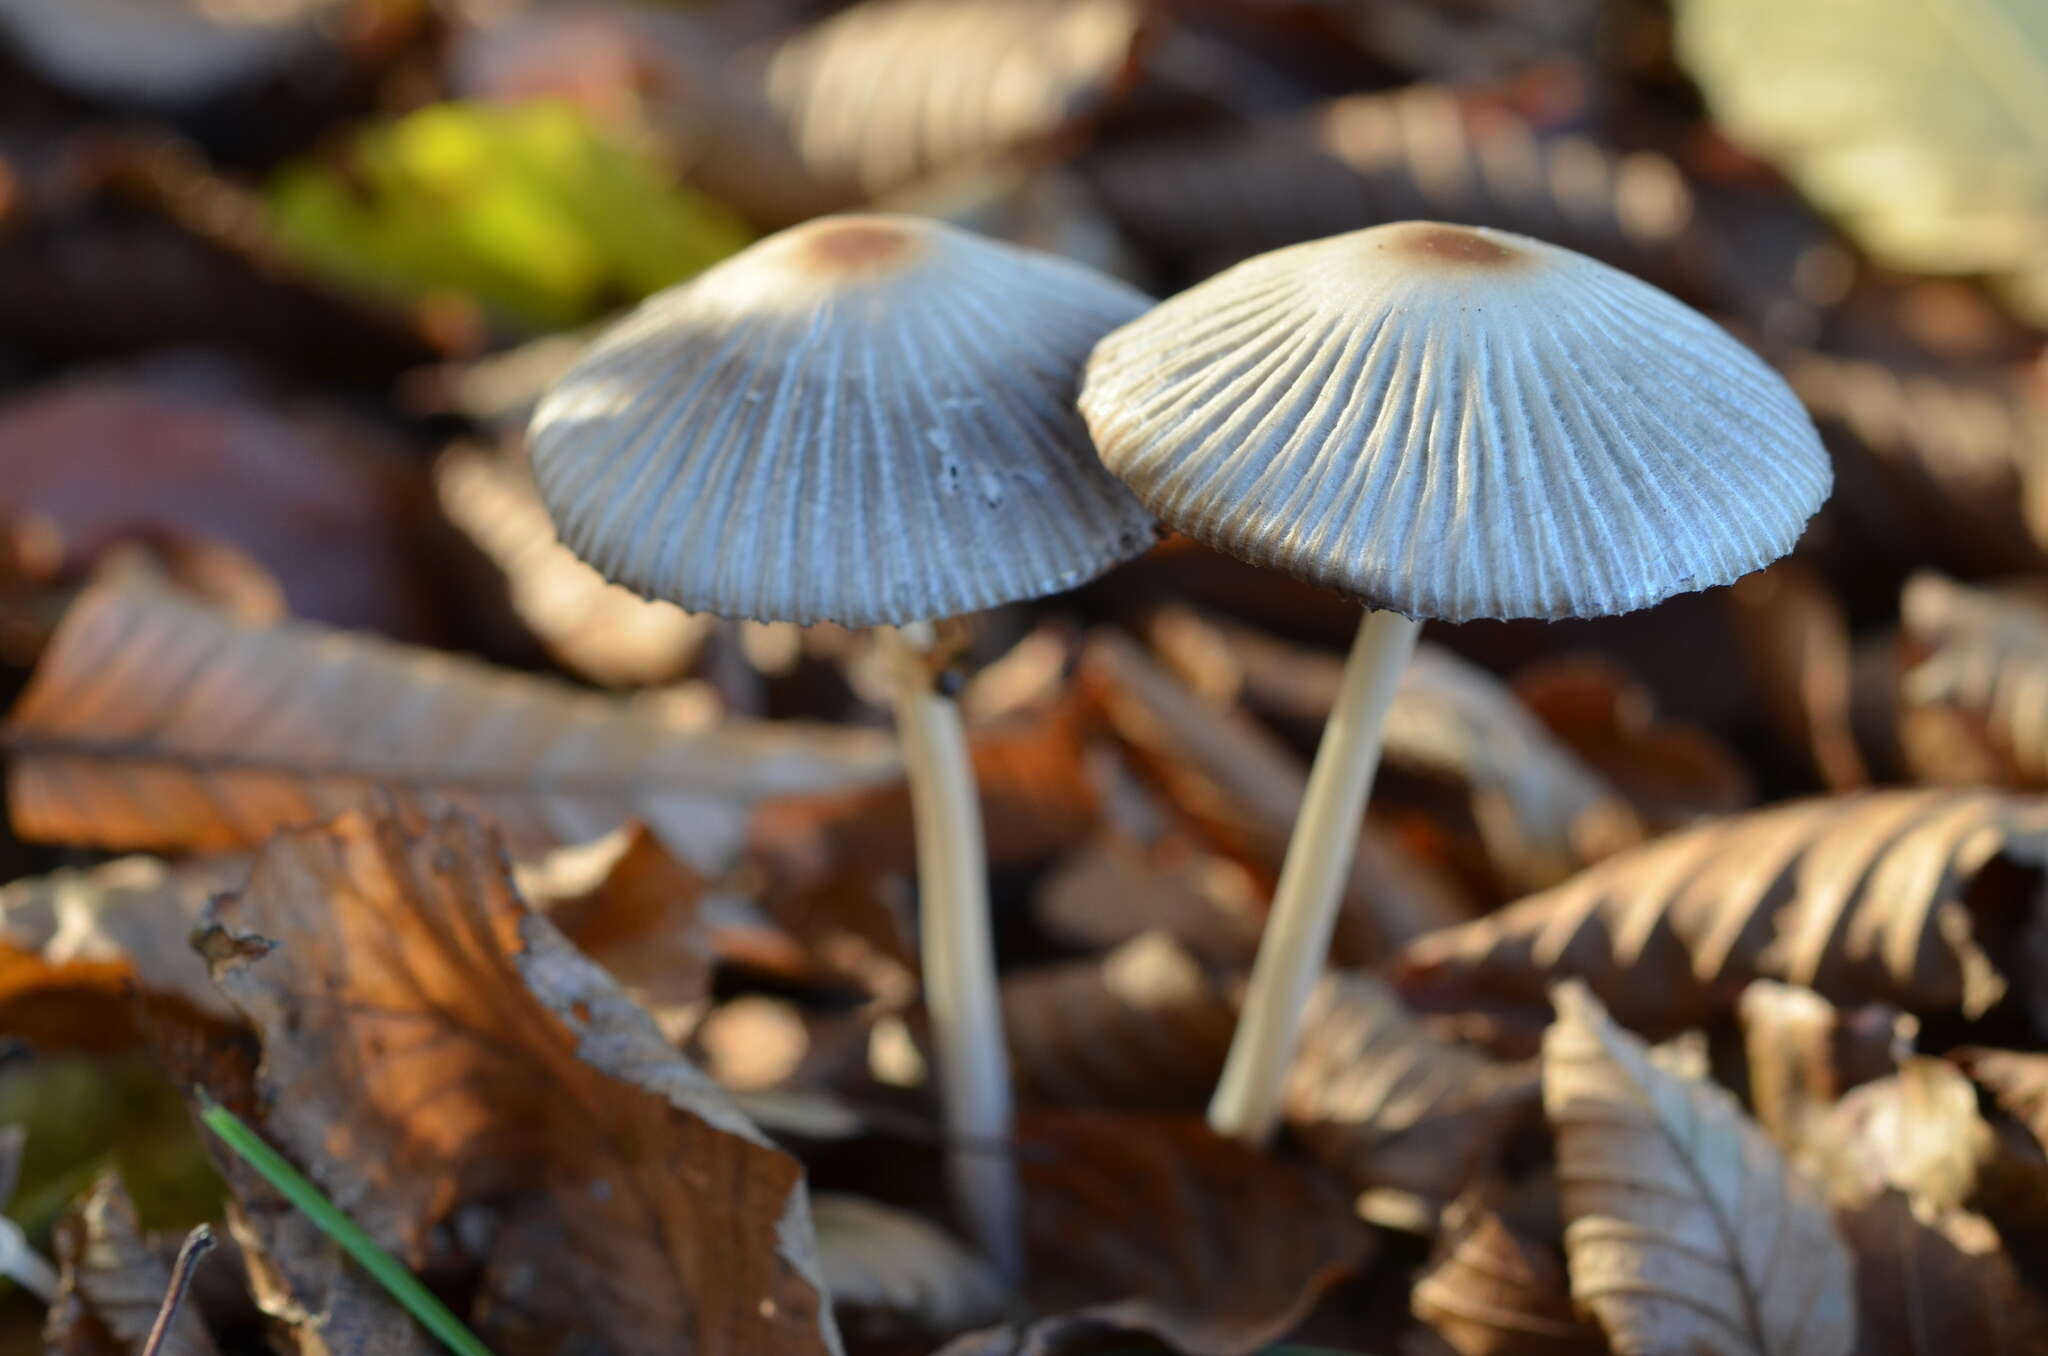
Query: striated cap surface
{"type": "Point", "coordinates": [1456, 423]}
{"type": "Point", "coordinates": [864, 419]}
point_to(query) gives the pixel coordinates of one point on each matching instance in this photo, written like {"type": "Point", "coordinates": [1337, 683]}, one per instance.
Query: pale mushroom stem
{"type": "Point", "coordinates": [23, 1265]}
{"type": "Point", "coordinates": [958, 951]}
{"type": "Point", "coordinates": [1247, 1103]}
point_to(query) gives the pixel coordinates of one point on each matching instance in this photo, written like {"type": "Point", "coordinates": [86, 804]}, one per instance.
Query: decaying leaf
{"type": "Point", "coordinates": [589, 625]}
{"type": "Point", "coordinates": [113, 1279]}
{"type": "Point", "coordinates": [137, 913]}
{"type": "Point", "coordinates": [1804, 1053]}
{"type": "Point", "coordinates": [1541, 811]}
{"type": "Point", "coordinates": [1141, 1028]}
{"type": "Point", "coordinates": [1900, 897]}
{"type": "Point", "coordinates": [154, 721]}
{"type": "Point", "coordinates": [1685, 1230]}
{"type": "Point", "coordinates": [1937, 1289]}
{"type": "Point", "coordinates": [1673, 774]}
{"type": "Point", "coordinates": [1975, 694]}
{"type": "Point", "coordinates": [887, 91]}
{"type": "Point", "coordinates": [1408, 153]}
{"type": "Point", "coordinates": [1941, 470]}
{"type": "Point", "coordinates": [1110, 893]}
{"type": "Point", "coordinates": [1241, 789]}
{"type": "Point", "coordinates": [634, 909]}
{"type": "Point", "coordinates": [1492, 1292]}
{"type": "Point", "coordinates": [1917, 1132]}
{"type": "Point", "coordinates": [430, 1044]}
{"type": "Point", "coordinates": [1388, 1105]}
{"type": "Point", "coordinates": [1798, 642]}
{"type": "Point", "coordinates": [1142, 1223]}
{"type": "Point", "coordinates": [881, 1265]}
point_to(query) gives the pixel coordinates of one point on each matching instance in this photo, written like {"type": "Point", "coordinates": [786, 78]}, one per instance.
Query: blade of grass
{"type": "Point", "coordinates": [403, 1286]}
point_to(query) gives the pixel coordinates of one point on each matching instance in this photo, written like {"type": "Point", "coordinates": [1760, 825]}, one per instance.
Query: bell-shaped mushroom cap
{"type": "Point", "coordinates": [867, 420]}
{"type": "Point", "coordinates": [1456, 422]}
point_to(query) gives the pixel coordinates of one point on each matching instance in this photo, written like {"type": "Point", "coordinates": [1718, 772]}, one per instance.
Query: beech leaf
{"type": "Point", "coordinates": [1686, 1231]}
{"type": "Point", "coordinates": [154, 721]}
{"type": "Point", "coordinates": [1493, 1292]}
{"type": "Point", "coordinates": [1885, 896]}
{"type": "Point", "coordinates": [429, 1043]}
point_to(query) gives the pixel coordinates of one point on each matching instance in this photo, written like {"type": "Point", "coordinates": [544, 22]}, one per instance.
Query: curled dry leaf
{"type": "Point", "coordinates": [1798, 645]}
{"type": "Point", "coordinates": [634, 909]}
{"type": "Point", "coordinates": [1974, 696]}
{"type": "Point", "coordinates": [136, 913]}
{"type": "Point", "coordinates": [592, 627]}
{"type": "Point", "coordinates": [1899, 897]}
{"type": "Point", "coordinates": [430, 1044]}
{"type": "Point", "coordinates": [1685, 1230]}
{"type": "Point", "coordinates": [1388, 1105]}
{"type": "Point", "coordinates": [1141, 1028]}
{"type": "Point", "coordinates": [1241, 789]}
{"type": "Point", "coordinates": [886, 1267]}
{"type": "Point", "coordinates": [888, 91]}
{"type": "Point", "coordinates": [157, 722]}
{"type": "Point", "coordinates": [113, 1281]}
{"type": "Point", "coordinates": [1141, 1224]}
{"type": "Point", "coordinates": [1917, 1132]}
{"type": "Point", "coordinates": [1409, 153]}
{"type": "Point", "coordinates": [1493, 1292]}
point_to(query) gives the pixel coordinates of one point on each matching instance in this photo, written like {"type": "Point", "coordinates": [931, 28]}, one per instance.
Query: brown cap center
{"type": "Point", "coordinates": [856, 246]}
{"type": "Point", "coordinates": [1455, 245]}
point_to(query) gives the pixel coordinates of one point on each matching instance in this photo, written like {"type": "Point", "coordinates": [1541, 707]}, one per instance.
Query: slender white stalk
{"type": "Point", "coordinates": [1297, 937]}
{"type": "Point", "coordinates": [958, 951]}
{"type": "Point", "coordinates": [24, 1265]}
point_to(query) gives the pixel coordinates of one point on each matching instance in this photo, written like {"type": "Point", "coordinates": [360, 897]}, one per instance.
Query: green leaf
{"type": "Point", "coordinates": [528, 208]}
{"type": "Point", "coordinates": [1921, 125]}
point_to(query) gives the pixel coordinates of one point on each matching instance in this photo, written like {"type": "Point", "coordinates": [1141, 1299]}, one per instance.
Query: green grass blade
{"type": "Point", "coordinates": [402, 1284]}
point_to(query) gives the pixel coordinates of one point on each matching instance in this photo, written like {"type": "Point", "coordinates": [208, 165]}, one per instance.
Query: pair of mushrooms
{"type": "Point", "coordinates": [872, 420]}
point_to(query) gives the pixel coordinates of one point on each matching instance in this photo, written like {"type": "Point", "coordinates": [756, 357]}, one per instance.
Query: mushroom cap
{"type": "Point", "coordinates": [864, 419]}
{"type": "Point", "coordinates": [1455, 422]}
{"type": "Point", "coordinates": [163, 52]}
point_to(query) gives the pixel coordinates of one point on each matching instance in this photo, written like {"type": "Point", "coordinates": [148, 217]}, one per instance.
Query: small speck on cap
{"type": "Point", "coordinates": [1456, 422]}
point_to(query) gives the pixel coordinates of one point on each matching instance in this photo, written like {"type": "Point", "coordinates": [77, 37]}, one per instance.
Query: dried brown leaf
{"type": "Point", "coordinates": [1939, 469]}
{"type": "Point", "coordinates": [1110, 892]}
{"type": "Point", "coordinates": [1492, 1292]}
{"type": "Point", "coordinates": [1685, 1230]}
{"type": "Point", "coordinates": [1541, 811]}
{"type": "Point", "coordinates": [430, 1043]}
{"type": "Point", "coordinates": [1408, 153]}
{"type": "Point", "coordinates": [1798, 644]}
{"type": "Point", "coordinates": [1916, 1132]}
{"type": "Point", "coordinates": [1937, 1288]}
{"type": "Point", "coordinates": [2017, 1080]}
{"type": "Point", "coordinates": [1154, 1225]}
{"type": "Point", "coordinates": [114, 1280]}
{"type": "Point", "coordinates": [185, 451]}
{"type": "Point", "coordinates": [157, 722]}
{"type": "Point", "coordinates": [136, 913]}
{"type": "Point", "coordinates": [1241, 788]}
{"type": "Point", "coordinates": [1388, 1105]}
{"type": "Point", "coordinates": [886, 1268]}
{"type": "Point", "coordinates": [592, 627]}
{"type": "Point", "coordinates": [1974, 695]}
{"type": "Point", "coordinates": [1140, 1028]}
{"type": "Point", "coordinates": [1804, 1053]}
{"type": "Point", "coordinates": [1673, 774]}
{"type": "Point", "coordinates": [1899, 897]}
{"type": "Point", "coordinates": [965, 80]}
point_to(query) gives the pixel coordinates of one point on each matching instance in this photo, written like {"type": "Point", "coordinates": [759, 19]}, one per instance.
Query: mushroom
{"type": "Point", "coordinates": [867, 420]}
{"type": "Point", "coordinates": [165, 53]}
{"type": "Point", "coordinates": [1441, 422]}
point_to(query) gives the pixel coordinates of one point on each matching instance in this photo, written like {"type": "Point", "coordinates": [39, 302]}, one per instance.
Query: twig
{"type": "Point", "coordinates": [198, 1243]}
